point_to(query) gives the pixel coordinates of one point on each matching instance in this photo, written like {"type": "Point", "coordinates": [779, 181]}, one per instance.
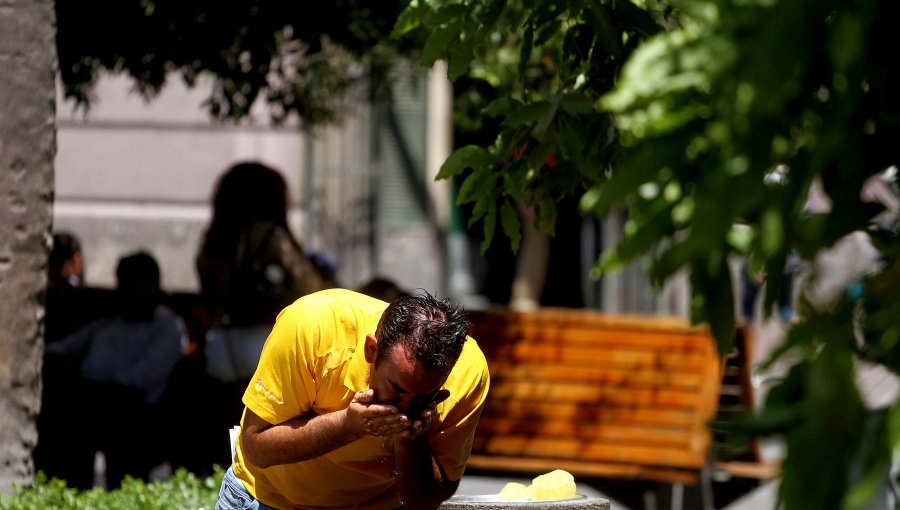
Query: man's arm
{"type": "Point", "coordinates": [310, 436]}
{"type": "Point", "coordinates": [420, 477]}
{"type": "Point", "coordinates": [423, 483]}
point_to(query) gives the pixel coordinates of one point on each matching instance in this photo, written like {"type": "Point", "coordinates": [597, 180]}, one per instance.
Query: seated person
{"type": "Point", "coordinates": [65, 275]}
{"type": "Point", "coordinates": [124, 362]}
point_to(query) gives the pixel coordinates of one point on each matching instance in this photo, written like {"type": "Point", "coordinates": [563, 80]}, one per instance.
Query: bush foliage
{"type": "Point", "coordinates": [183, 490]}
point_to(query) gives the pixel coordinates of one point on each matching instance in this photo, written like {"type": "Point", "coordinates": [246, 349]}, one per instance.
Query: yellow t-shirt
{"type": "Point", "coordinates": [314, 360]}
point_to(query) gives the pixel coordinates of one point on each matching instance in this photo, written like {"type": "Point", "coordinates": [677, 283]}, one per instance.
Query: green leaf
{"type": "Point", "coordinates": [538, 154]}
{"type": "Point", "coordinates": [637, 18]}
{"type": "Point", "coordinates": [543, 123]}
{"type": "Point", "coordinates": [532, 113]}
{"type": "Point", "coordinates": [512, 227]}
{"type": "Point", "coordinates": [513, 183]}
{"type": "Point", "coordinates": [501, 106]}
{"type": "Point", "coordinates": [548, 11]}
{"type": "Point", "coordinates": [607, 32]}
{"type": "Point", "coordinates": [771, 232]}
{"type": "Point", "coordinates": [577, 103]}
{"type": "Point", "coordinates": [490, 224]}
{"type": "Point", "coordinates": [409, 20]}
{"type": "Point", "coordinates": [647, 235]}
{"type": "Point", "coordinates": [470, 156]}
{"type": "Point", "coordinates": [527, 47]}
{"type": "Point", "coordinates": [717, 299]}
{"type": "Point", "coordinates": [479, 184]}
{"type": "Point", "coordinates": [439, 42]}
{"type": "Point", "coordinates": [462, 53]}
{"type": "Point", "coordinates": [487, 17]}
{"type": "Point", "coordinates": [482, 206]}
{"type": "Point", "coordinates": [546, 32]}
{"type": "Point", "coordinates": [446, 14]}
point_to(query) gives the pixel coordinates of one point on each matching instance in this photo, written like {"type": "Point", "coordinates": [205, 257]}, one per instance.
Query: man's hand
{"type": "Point", "coordinates": [364, 417]}
{"type": "Point", "coordinates": [420, 424]}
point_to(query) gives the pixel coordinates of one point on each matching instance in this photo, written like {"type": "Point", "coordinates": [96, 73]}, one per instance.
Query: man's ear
{"type": "Point", "coordinates": [370, 348]}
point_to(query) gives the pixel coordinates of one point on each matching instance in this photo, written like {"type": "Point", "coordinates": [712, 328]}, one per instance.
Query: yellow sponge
{"type": "Point", "coordinates": [514, 492]}
{"type": "Point", "coordinates": [557, 484]}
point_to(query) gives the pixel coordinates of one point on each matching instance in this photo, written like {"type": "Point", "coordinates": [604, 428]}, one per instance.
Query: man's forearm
{"type": "Point", "coordinates": [295, 440]}
{"type": "Point", "coordinates": [422, 482]}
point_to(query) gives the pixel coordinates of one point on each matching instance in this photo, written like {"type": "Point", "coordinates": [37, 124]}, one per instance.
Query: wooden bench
{"type": "Point", "coordinates": [597, 395]}
{"type": "Point", "coordinates": [742, 458]}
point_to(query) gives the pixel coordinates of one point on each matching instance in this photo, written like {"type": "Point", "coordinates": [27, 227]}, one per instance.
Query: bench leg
{"type": "Point", "coordinates": [650, 500]}
{"type": "Point", "coordinates": [706, 490]}
{"type": "Point", "coordinates": [678, 496]}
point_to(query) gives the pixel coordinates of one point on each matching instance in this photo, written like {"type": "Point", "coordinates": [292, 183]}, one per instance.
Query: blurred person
{"type": "Point", "coordinates": [68, 307]}
{"type": "Point", "coordinates": [751, 283]}
{"type": "Point", "coordinates": [326, 265]}
{"type": "Point", "coordinates": [383, 288]}
{"type": "Point", "coordinates": [65, 276]}
{"type": "Point", "coordinates": [357, 403]}
{"type": "Point", "coordinates": [250, 268]}
{"type": "Point", "coordinates": [66, 265]}
{"type": "Point", "coordinates": [124, 363]}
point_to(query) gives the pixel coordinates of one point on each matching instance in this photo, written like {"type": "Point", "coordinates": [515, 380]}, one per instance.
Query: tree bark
{"type": "Point", "coordinates": [27, 150]}
{"type": "Point", "coordinates": [531, 266]}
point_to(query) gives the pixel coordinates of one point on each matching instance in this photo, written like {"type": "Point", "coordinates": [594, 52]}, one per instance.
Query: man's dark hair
{"type": "Point", "coordinates": [432, 332]}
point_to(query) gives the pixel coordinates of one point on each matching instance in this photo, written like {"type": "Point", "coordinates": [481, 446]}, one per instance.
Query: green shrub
{"type": "Point", "coordinates": [183, 491]}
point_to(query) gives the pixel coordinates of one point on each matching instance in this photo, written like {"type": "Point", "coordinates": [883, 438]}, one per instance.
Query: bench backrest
{"type": "Point", "coordinates": [610, 393]}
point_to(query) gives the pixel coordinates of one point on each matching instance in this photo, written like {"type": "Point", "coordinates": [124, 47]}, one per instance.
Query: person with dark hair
{"type": "Point", "coordinates": [250, 267]}
{"type": "Point", "coordinates": [65, 275]}
{"type": "Point", "coordinates": [383, 288]}
{"type": "Point", "coordinates": [66, 265]}
{"type": "Point", "coordinates": [326, 265]}
{"type": "Point", "coordinates": [68, 308]}
{"type": "Point", "coordinates": [124, 363]}
{"type": "Point", "coordinates": [357, 403]}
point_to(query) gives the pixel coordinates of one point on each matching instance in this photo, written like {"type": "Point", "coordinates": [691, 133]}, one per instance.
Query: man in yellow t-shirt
{"type": "Point", "coordinates": [359, 404]}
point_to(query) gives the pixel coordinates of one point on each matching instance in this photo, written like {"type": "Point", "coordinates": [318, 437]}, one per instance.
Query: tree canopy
{"type": "Point", "coordinates": [299, 58]}
{"type": "Point", "coordinates": [678, 111]}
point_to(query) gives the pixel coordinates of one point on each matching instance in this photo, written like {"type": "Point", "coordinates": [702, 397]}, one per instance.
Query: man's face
{"type": "Point", "coordinates": [403, 382]}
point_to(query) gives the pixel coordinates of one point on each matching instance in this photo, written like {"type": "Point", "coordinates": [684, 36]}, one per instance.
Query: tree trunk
{"type": "Point", "coordinates": [531, 266]}
{"type": "Point", "coordinates": [27, 149]}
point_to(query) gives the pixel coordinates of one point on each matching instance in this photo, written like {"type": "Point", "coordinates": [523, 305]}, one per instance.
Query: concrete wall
{"type": "Point", "coordinates": [134, 175]}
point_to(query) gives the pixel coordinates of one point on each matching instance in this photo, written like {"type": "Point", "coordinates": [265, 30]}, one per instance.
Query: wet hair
{"type": "Point", "coordinates": [432, 332]}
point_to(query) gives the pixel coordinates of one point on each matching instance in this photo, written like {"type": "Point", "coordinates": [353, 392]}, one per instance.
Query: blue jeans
{"type": "Point", "coordinates": [234, 496]}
